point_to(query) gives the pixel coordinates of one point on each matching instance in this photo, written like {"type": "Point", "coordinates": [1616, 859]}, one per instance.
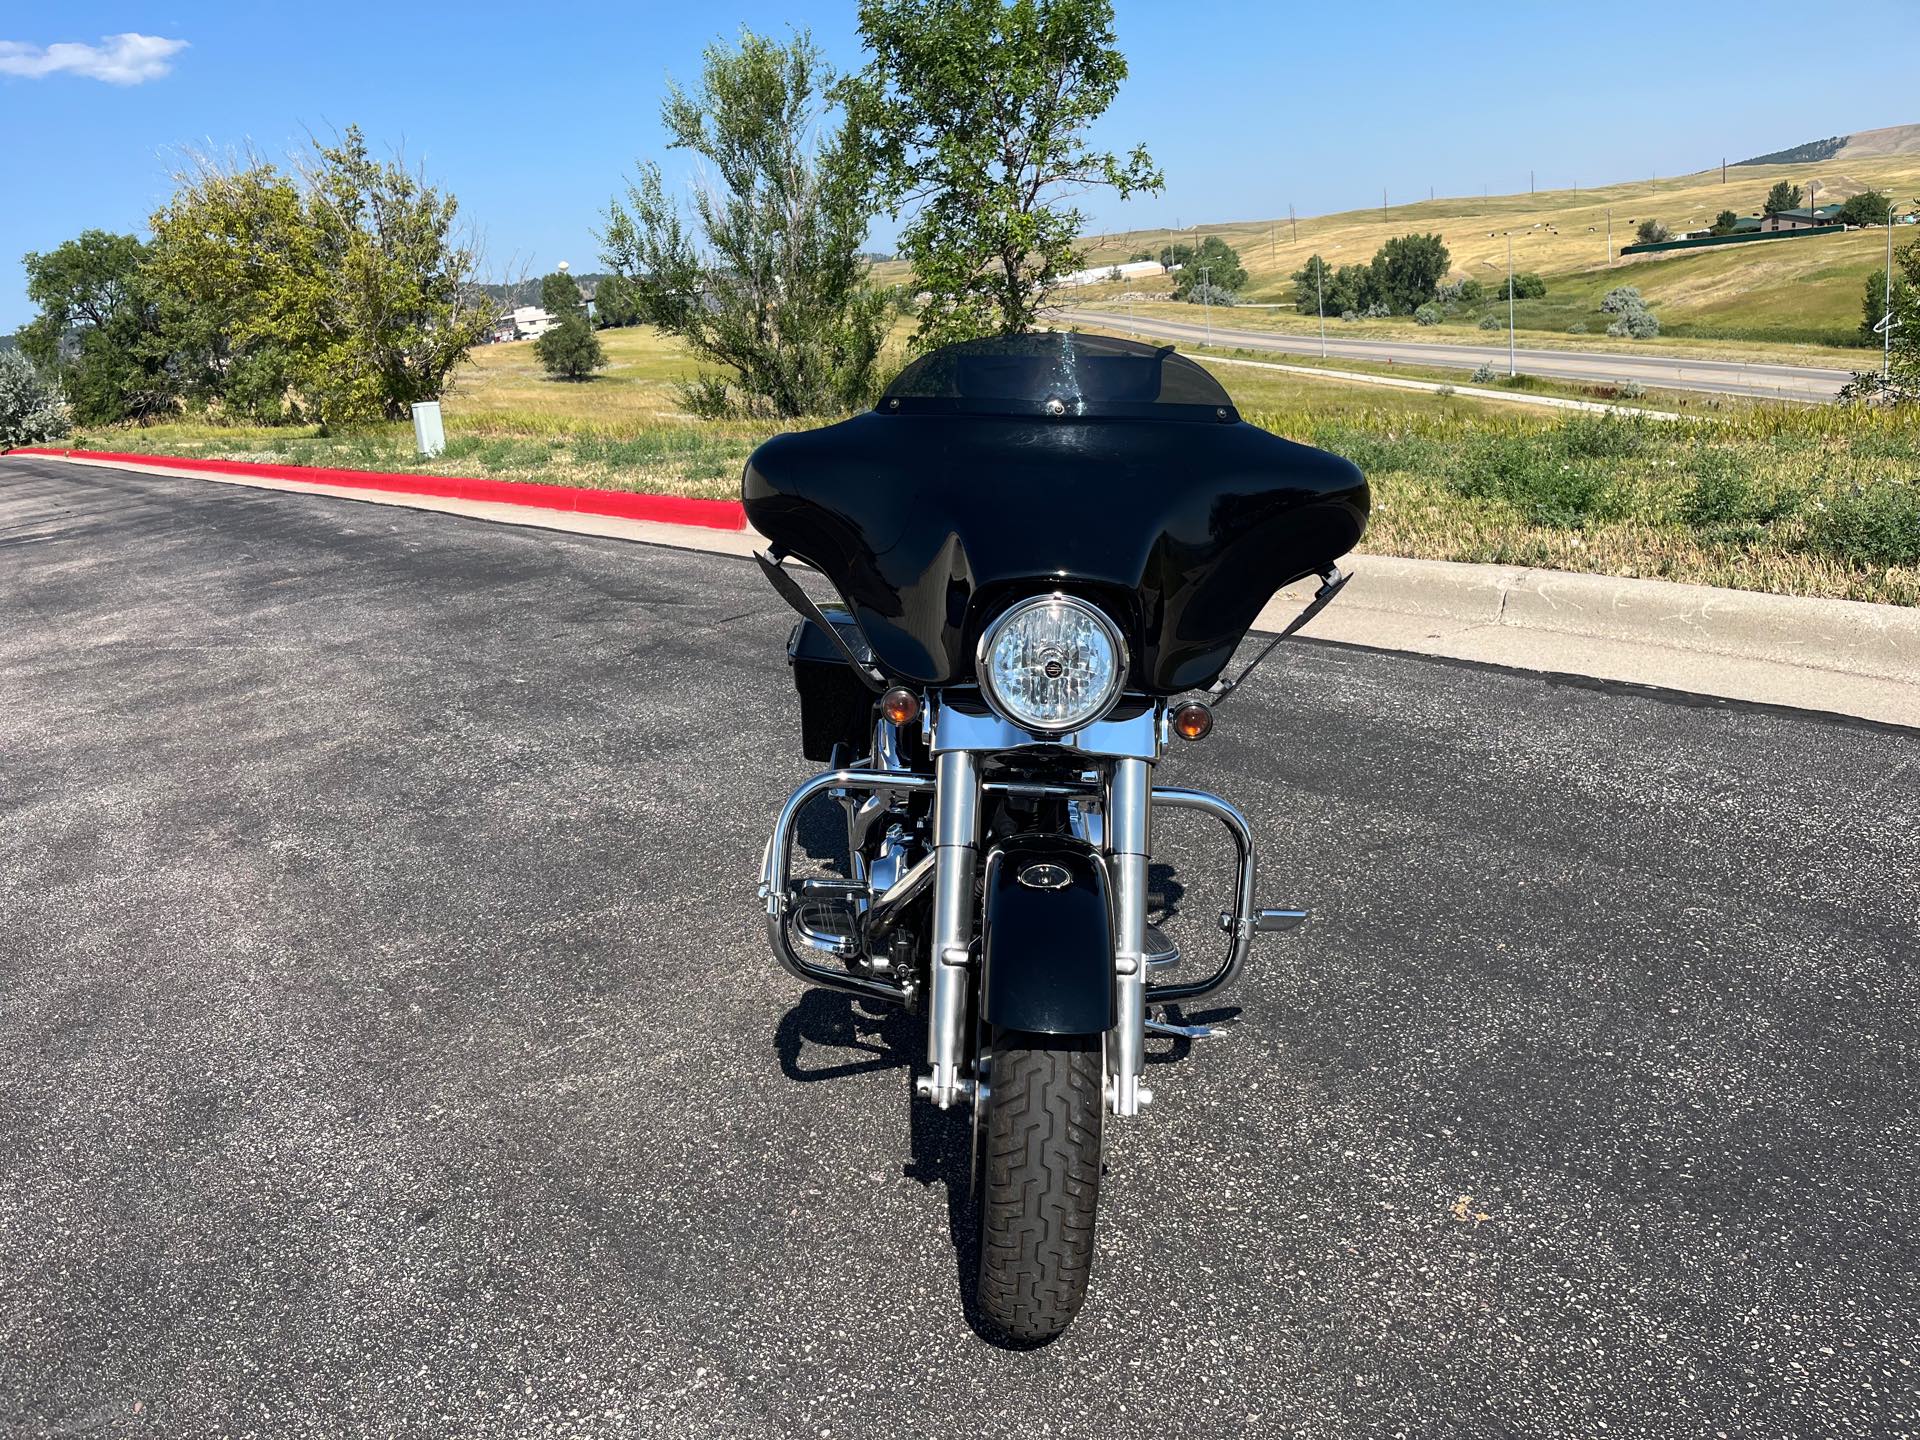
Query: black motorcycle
{"type": "Point", "coordinates": [1042, 543]}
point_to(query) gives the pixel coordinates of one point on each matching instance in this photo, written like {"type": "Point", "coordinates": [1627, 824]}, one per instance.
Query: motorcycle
{"type": "Point", "coordinates": [1048, 548]}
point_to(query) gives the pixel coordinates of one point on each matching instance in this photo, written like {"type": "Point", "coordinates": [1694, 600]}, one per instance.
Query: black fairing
{"type": "Point", "coordinates": [929, 515]}
{"type": "Point", "coordinates": [1046, 949]}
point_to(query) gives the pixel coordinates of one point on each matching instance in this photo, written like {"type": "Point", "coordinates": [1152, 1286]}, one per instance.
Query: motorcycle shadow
{"type": "Point", "coordinates": [940, 1141]}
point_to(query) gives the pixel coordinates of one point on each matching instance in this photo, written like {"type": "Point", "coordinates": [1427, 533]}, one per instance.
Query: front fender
{"type": "Point", "coordinates": [1047, 938]}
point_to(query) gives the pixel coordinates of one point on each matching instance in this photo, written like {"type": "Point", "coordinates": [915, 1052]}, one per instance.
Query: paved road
{"type": "Point", "coordinates": [1776, 382]}
{"type": "Point", "coordinates": [387, 1046]}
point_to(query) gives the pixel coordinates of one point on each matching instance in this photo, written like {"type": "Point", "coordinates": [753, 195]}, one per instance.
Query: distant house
{"type": "Point", "coordinates": [524, 322]}
{"type": "Point", "coordinates": [1801, 219]}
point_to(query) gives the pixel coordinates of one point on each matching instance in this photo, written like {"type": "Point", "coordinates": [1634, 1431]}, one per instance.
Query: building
{"type": "Point", "coordinates": [524, 322]}
{"type": "Point", "coordinates": [1804, 218]}
{"type": "Point", "coordinates": [1102, 274]}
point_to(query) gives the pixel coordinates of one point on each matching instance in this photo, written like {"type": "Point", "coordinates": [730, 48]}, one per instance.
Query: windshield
{"type": "Point", "coordinates": [1058, 374]}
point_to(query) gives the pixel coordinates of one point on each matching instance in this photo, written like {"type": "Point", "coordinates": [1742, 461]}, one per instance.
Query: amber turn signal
{"type": "Point", "coordinates": [900, 705]}
{"type": "Point", "coordinates": [1193, 721]}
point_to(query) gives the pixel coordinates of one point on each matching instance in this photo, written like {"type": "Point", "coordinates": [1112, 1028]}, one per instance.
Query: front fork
{"type": "Point", "coordinates": [956, 853]}
{"type": "Point", "coordinates": [956, 824]}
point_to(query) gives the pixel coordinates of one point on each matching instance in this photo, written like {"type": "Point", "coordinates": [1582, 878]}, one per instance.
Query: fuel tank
{"type": "Point", "coordinates": [1000, 468]}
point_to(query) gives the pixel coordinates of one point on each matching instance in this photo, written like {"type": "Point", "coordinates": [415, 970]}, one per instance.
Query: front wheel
{"type": "Point", "coordinates": [1040, 1181]}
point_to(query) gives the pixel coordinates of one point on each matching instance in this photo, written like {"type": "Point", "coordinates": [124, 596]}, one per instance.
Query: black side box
{"type": "Point", "coordinates": [836, 707]}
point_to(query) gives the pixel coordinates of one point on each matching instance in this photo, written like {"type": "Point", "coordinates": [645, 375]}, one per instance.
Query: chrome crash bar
{"type": "Point", "coordinates": [776, 879]}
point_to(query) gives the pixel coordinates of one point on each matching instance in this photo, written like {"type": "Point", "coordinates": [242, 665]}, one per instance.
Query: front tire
{"type": "Point", "coordinates": [1040, 1182]}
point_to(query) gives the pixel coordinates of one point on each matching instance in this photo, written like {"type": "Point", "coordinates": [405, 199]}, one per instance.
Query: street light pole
{"type": "Point", "coordinates": [1320, 300]}
{"type": "Point", "coordinates": [1206, 297]}
{"type": "Point", "coordinates": [1886, 323]}
{"type": "Point", "coordinates": [1513, 365]}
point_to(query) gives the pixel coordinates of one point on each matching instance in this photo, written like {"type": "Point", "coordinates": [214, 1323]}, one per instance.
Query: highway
{"type": "Point", "coordinates": [1725, 377]}
{"type": "Point", "coordinates": [390, 1047]}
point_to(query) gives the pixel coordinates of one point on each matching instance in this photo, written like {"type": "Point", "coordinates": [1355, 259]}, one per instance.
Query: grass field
{"type": "Point", "coordinates": [1812, 501]}
{"type": "Point", "coordinates": [1781, 294]}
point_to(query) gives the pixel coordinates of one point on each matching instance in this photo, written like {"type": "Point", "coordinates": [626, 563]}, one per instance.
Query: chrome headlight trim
{"type": "Point", "coordinates": [1110, 693]}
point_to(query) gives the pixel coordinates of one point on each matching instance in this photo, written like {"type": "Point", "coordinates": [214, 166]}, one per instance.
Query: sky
{"type": "Point", "coordinates": [534, 117]}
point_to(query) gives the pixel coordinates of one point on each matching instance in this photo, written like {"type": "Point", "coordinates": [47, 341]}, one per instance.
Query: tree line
{"type": "Point", "coordinates": [338, 288]}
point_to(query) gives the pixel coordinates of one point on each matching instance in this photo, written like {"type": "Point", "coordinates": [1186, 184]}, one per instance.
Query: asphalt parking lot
{"type": "Point", "coordinates": [388, 1044]}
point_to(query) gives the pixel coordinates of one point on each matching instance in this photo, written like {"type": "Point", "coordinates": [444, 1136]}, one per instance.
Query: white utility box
{"type": "Point", "coordinates": [429, 435]}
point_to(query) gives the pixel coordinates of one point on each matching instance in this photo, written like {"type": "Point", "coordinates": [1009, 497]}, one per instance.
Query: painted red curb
{"type": "Point", "coordinates": [625, 504]}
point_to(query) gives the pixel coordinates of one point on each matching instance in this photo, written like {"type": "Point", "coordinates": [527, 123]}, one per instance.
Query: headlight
{"type": "Point", "coordinates": [1053, 663]}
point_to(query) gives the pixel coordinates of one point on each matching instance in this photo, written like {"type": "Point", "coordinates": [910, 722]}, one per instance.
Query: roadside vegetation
{"type": "Point", "coordinates": [1795, 500]}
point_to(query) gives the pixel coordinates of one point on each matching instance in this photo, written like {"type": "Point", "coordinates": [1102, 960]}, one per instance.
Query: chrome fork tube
{"type": "Point", "coordinates": [956, 829]}
{"type": "Point", "coordinates": [1130, 803]}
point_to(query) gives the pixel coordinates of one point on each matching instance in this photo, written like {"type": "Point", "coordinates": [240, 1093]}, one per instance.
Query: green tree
{"type": "Point", "coordinates": [560, 294]}
{"type": "Point", "coordinates": [614, 303]}
{"type": "Point", "coordinates": [233, 267]}
{"type": "Point", "coordinates": [1356, 288]}
{"type": "Point", "coordinates": [1653, 232]}
{"type": "Point", "coordinates": [1526, 286]}
{"type": "Point", "coordinates": [345, 283]}
{"type": "Point", "coordinates": [1406, 269]}
{"type": "Point", "coordinates": [782, 296]}
{"type": "Point", "coordinates": [402, 308]}
{"type": "Point", "coordinates": [1213, 262]}
{"type": "Point", "coordinates": [1310, 285]}
{"type": "Point", "coordinates": [1869, 207]}
{"type": "Point", "coordinates": [1724, 222]}
{"type": "Point", "coordinates": [1781, 197]}
{"type": "Point", "coordinates": [570, 350]}
{"type": "Point", "coordinates": [979, 112]}
{"type": "Point", "coordinates": [98, 331]}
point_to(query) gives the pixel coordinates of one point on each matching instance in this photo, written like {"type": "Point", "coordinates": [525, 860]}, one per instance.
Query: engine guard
{"type": "Point", "coordinates": [1047, 938]}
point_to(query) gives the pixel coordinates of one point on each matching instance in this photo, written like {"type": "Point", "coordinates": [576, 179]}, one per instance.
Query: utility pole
{"type": "Point", "coordinates": [1609, 237]}
{"type": "Point", "coordinates": [1291, 220]}
{"type": "Point", "coordinates": [1383, 202]}
{"type": "Point", "coordinates": [1723, 169]}
{"type": "Point", "coordinates": [1529, 182]}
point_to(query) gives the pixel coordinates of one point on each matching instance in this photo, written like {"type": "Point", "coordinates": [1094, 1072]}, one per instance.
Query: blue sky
{"type": "Point", "coordinates": [532, 116]}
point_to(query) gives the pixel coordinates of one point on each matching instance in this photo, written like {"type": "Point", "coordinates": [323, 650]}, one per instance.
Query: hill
{"type": "Point", "coordinates": [1863, 145]}
{"type": "Point", "coordinates": [1798, 290]}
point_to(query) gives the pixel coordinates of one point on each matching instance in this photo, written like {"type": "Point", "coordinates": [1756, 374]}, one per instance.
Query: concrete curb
{"type": "Point", "coordinates": [1842, 637]}
{"type": "Point", "coordinates": [1842, 657]}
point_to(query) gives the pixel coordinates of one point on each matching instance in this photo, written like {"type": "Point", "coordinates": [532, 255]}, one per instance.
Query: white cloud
{"type": "Point", "coordinates": [118, 59]}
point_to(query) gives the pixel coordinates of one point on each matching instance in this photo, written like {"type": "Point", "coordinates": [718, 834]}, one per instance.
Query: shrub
{"type": "Point", "coordinates": [1208, 294]}
{"type": "Point", "coordinates": [1349, 315]}
{"type": "Point", "coordinates": [1428, 314]}
{"type": "Point", "coordinates": [1635, 325]}
{"type": "Point", "coordinates": [1653, 232]}
{"type": "Point", "coordinates": [1632, 390]}
{"type": "Point", "coordinates": [1484, 375]}
{"type": "Point", "coordinates": [1535, 480]}
{"type": "Point", "coordinates": [1444, 391]}
{"type": "Point", "coordinates": [31, 409]}
{"type": "Point", "coordinates": [1876, 524]}
{"type": "Point", "coordinates": [1578, 327]}
{"type": "Point", "coordinates": [1622, 298]}
{"type": "Point", "coordinates": [1378, 310]}
{"type": "Point", "coordinates": [1492, 322]}
{"type": "Point", "coordinates": [1723, 496]}
{"type": "Point", "coordinates": [1871, 387]}
{"type": "Point", "coordinates": [1526, 286]}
